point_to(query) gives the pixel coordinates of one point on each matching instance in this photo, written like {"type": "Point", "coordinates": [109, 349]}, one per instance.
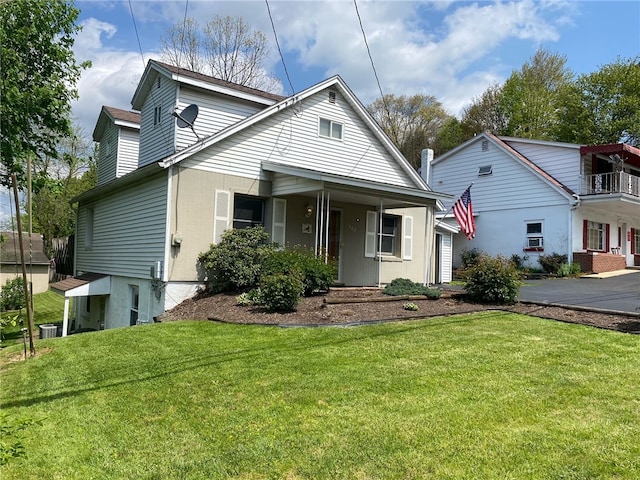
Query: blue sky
{"type": "Point", "coordinates": [452, 50]}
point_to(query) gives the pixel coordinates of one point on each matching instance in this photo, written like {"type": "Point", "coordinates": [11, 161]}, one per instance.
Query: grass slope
{"type": "Point", "coordinates": [495, 395]}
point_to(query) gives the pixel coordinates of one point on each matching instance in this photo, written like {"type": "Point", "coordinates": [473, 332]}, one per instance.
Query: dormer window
{"type": "Point", "coordinates": [330, 129]}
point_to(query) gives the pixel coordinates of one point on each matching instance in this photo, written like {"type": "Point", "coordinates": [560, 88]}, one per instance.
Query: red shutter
{"type": "Point", "coordinates": [584, 234]}
{"type": "Point", "coordinates": [606, 238]}
{"type": "Point", "coordinates": [633, 243]}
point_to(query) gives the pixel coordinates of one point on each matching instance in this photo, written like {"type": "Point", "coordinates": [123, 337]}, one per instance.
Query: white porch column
{"type": "Point", "coordinates": [65, 319]}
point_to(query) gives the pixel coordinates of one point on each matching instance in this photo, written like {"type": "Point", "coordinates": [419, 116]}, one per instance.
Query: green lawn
{"type": "Point", "coordinates": [48, 307]}
{"type": "Point", "coordinates": [483, 396]}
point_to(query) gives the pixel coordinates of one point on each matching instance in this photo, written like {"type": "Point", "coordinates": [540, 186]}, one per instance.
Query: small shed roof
{"type": "Point", "coordinates": [34, 253]}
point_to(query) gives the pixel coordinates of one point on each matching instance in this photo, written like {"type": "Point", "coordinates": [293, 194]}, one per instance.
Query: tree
{"type": "Point", "coordinates": [57, 181]}
{"type": "Point", "coordinates": [412, 123]}
{"type": "Point", "coordinates": [485, 114]}
{"type": "Point", "coordinates": [530, 97]}
{"type": "Point", "coordinates": [603, 106]}
{"type": "Point", "coordinates": [226, 48]}
{"type": "Point", "coordinates": [39, 74]}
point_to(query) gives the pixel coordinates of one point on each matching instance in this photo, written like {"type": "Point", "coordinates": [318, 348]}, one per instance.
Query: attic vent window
{"type": "Point", "coordinates": [485, 145]}
{"type": "Point", "coordinates": [332, 97]}
{"type": "Point", "coordinates": [485, 170]}
{"type": "Point", "coordinates": [158, 83]}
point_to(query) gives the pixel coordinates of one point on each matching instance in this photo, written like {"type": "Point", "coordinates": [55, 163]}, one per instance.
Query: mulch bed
{"type": "Point", "coordinates": [352, 306]}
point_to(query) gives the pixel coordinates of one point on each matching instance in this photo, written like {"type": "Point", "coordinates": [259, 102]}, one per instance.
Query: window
{"type": "Point", "coordinates": [596, 236]}
{"type": "Point", "coordinates": [485, 170]}
{"type": "Point", "coordinates": [247, 211]}
{"type": "Point", "coordinates": [534, 236]}
{"type": "Point", "coordinates": [389, 234]}
{"type": "Point", "coordinates": [389, 240]}
{"type": "Point", "coordinates": [330, 129]}
{"type": "Point", "coordinates": [157, 115]}
{"type": "Point", "coordinates": [134, 291]}
{"type": "Point", "coordinates": [88, 232]}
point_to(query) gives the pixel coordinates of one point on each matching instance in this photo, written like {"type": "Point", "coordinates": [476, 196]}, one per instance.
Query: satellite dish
{"type": "Point", "coordinates": [187, 117]}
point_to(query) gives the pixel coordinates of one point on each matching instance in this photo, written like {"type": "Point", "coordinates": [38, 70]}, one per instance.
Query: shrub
{"type": "Point", "coordinates": [410, 306]}
{"type": "Point", "coordinates": [551, 263]}
{"type": "Point", "coordinates": [404, 286]}
{"type": "Point", "coordinates": [12, 295]}
{"type": "Point", "coordinates": [281, 292]}
{"type": "Point", "coordinates": [234, 263]}
{"type": "Point", "coordinates": [569, 270]}
{"type": "Point", "coordinates": [470, 257]}
{"type": "Point", "coordinates": [316, 275]}
{"type": "Point", "coordinates": [519, 261]}
{"type": "Point", "coordinates": [493, 280]}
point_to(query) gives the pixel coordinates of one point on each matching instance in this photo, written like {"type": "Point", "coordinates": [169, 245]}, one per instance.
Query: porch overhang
{"type": "Point", "coordinates": [620, 203]}
{"type": "Point", "coordinates": [84, 285]}
{"type": "Point", "coordinates": [289, 180]}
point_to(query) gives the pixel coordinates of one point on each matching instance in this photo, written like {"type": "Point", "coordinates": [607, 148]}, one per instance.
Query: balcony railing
{"type": "Point", "coordinates": [613, 182]}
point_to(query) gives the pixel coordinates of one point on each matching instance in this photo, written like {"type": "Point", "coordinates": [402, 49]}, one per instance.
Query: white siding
{"type": "Point", "coordinates": [510, 186]}
{"type": "Point", "coordinates": [561, 162]}
{"type": "Point", "coordinates": [128, 144]}
{"type": "Point", "coordinates": [128, 230]}
{"type": "Point", "coordinates": [158, 141]}
{"type": "Point", "coordinates": [291, 138]}
{"type": "Point", "coordinates": [215, 112]}
{"type": "Point", "coordinates": [108, 155]}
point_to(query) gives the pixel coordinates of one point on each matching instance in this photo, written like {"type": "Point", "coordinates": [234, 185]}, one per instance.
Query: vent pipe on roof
{"type": "Point", "coordinates": [426, 158]}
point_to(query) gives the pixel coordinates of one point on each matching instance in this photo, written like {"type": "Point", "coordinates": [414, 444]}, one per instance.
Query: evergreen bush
{"type": "Point", "coordinates": [493, 280]}
{"type": "Point", "coordinates": [281, 292]}
{"type": "Point", "coordinates": [404, 286]}
{"type": "Point", "coordinates": [316, 275]}
{"type": "Point", "coordinates": [234, 263]}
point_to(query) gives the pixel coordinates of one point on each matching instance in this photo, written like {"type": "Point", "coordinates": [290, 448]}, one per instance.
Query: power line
{"type": "Point", "coordinates": [279, 50]}
{"type": "Point", "coordinates": [375, 73]}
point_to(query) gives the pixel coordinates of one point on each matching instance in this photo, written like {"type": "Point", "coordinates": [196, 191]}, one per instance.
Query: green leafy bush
{"type": "Point", "coordinates": [470, 257]}
{"type": "Point", "coordinates": [281, 292]}
{"type": "Point", "coordinates": [569, 270]}
{"type": "Point", "coordinates": [12, 295]}
{"type": "Point", "coordinates": [551, 263]}
{"type": "Point", "coordinates": [316, 275]}
{"type": "Point", "coordinates": [235, 262]}
{"type": "Point", "coordinates": [410, 306]}
{"type": "Point", "coordinates": [404, 286]}
{"type": "Point", "coordinates": [493, 280]}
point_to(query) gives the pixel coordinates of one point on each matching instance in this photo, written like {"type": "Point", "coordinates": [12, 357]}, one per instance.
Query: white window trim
{"type": "Point", "coordinates": [331, 124]}
{"type": "Point", "coordinates": [537, 237]}
{"type": "Point", "coordinates": [402, 250]}
{"type": "Point", "coordinates": [221, 213]}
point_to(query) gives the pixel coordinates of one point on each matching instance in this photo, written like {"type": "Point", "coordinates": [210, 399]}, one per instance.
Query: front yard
{"type": "Point", "coordinates": [484, 395]}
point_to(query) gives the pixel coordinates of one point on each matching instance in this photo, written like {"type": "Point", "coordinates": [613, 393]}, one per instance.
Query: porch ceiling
{"type": "Point", "coordinates": [348, 189]}
{"type": "Point", "coordinates": [614, 203]}
{"type": "Point", "coordinates": [630, 155]}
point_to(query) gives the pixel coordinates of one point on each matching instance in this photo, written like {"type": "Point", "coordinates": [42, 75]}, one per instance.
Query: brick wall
{"type": "Point", "coordinates": [597, 262]}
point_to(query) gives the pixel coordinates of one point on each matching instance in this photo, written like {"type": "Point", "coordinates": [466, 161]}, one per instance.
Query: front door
{"type": "Point", "coordinates": [335, 244]}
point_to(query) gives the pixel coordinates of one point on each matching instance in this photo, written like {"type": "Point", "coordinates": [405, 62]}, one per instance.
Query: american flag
{"type": "Point", "coordinates": [463, 211]}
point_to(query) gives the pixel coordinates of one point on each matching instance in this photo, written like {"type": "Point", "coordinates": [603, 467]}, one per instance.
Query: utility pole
{"type": "Point", "coordinates": [27, 299]}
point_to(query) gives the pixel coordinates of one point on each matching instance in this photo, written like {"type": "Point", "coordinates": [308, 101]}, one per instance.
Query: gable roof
{"type": "Point", "coordinates": [10, 249]}
{"type": "Point", "coordinates": [290, 103]}
{"type": "Point", "coordinates": [198, 80]}
{"type": "Point", "coordinates": [116, 116]}
{"type": "Point", "coordinates": [501, 143]}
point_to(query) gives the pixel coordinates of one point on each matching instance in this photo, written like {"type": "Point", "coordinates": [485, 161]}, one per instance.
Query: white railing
{"type": "Point", "coordinates": [613, 182]}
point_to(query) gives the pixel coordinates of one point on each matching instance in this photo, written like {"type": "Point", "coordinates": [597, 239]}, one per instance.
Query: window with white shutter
{"type": "Point", "coordinates": [221, 214]}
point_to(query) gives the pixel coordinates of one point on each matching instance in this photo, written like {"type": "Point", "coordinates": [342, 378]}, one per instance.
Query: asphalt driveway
{"type": "Point", "coordinates": [619, 293]}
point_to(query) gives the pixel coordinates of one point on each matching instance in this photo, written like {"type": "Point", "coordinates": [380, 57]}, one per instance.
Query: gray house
{"type": "Point", "coordinates": [314, 169]}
